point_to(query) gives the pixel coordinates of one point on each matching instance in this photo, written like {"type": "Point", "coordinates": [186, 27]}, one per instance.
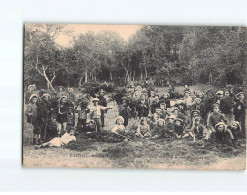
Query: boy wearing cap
{"type": "Point", "coordinates": [198, 129]}
{"type": "Point", "coordinates": [239, 111]}
{"type": "Point", "coordinates": [33, 116]}
{"type": "Point", "coordinates": [179, 130]}
{"type": "Point", "coordinates": [226, 106]}
{"type": "Point", "coordinates": [125, 111]}
{"type": "Point", "coordinates": [28, 94]}
{"type": "Point", "coordinates": [95, 113]}
{"type": "Point", "coordinates": [151, 102]}
{"type": "Point", "coordinates": [82, 110]}
{"type": "Point", "coordinates": [45, 114]}
{"type": "Point", "coordinates": [71, 96]}
{"type": "Point", "coordinates": [216, 117]}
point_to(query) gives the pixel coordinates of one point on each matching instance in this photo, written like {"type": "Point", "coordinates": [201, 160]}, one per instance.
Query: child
{"type": "Point", "coordinates": [82, 110]}
{"type": "Point", "coordinates": [240, 111]}
{"type": "Point", "coordinates": [119, 129]}
{"type": "Point", "coordinates": [125, 111]}
{"type": "Point", "coordinates": [179, 130]}
{"type": "Point", "coordinates": [62, 115]}
{"type": "Point", "coordinates": [143, 129]}
{"type": "Point", "coordinates": [153, 122]}
{"type": "Point", "coordinates": [28, 94]}
{"type": "Point", "coordinates": [163, 111]}
{"type": "Point", "coordinates": [198, 129]}
{"type": "Point", "coordinates": [226, 106]}
{"type": "Point", "coordinates": [151, 102]}
{"type": "Point", "coordinates": [71, 119]}
{"type": "Point", "coordinates": [71, 96]}
{"type": "Point", "coordinates": [58, 142]}
{"type": "Point", "coordinates": [236, 131]}
{"type": "Point", "coordinates": [102, 102]}
{"type": "Point", "coordinates": [165, 99]}
{"type": "Point", "coordinates": [195, 114]}
{"type": "Point", "coordinates": [159, 129]}
{"type": "Point", "coordinates": [32, 113]}
{"type": "Point", "coordinates": [143, 109]}
{"type": "Point", "coordinates": [222, 133]}
{"type": "Point", "coordinates": [95, 114]}
{"type": "Point", "coordinates": [215, 117]}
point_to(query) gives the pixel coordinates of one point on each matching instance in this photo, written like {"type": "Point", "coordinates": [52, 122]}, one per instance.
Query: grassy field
{"type": "Point", "coordinates": [156, 154]}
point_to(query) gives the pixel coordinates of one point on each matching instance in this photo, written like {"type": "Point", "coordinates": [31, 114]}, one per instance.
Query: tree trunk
{"type": "Point", "coordinates": [110, 75]}
{"type": "Point", "coordinates": [146, 72]}
{"type": "Point", "coordinates": [79, 84]}
{"type": "Point", "coordinates": [86, 76]}
{"type": "Point", "coordinates": [134, 75]}
{"type": "Point", "coordinates": [48, 81]}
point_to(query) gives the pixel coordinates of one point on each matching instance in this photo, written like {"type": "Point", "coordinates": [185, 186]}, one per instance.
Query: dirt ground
{"type": "Point", "coordinates": [155, 154]}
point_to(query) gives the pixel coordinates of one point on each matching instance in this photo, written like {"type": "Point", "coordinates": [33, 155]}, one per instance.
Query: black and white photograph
{"type": "Point", "coordinates": [134, 96]}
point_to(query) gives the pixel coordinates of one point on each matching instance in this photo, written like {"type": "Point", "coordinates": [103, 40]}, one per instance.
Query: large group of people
{"type": "Point", "coordinates": [59, 116]}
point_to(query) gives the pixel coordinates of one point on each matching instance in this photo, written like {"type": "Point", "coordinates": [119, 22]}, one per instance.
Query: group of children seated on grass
{"type": "Point", "coordinates": [220, 120]}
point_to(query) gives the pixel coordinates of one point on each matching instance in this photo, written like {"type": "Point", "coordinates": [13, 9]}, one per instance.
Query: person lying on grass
{"type": "Point", "coordinates": [58, 142]}
{"type": "Point", "coordinates": [119, 128]}
{"type": "Point", "coordinates": [143, 129]}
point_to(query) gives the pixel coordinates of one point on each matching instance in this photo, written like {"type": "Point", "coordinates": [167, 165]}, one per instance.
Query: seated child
{"type": "Point", "coordinates": [143, 129]}
{"type": "Point", "coordinates": [159, 129]}
{"type": "Point", "coordinates": [179, 130]}
{"type": "Point", "coordinates": [170, 123]}
{"type": "Point", "coordinates": [58, 142]}
{"type": "Point", "coordinates": [235, 129]}
{"type": "Point", "coordinates": [223, 134]}
{"type": "Point", "coordinates": [153, 122]}
{"type": "Point", "coordinates": [119, 129]}
{"type": "Point", "coordinates": [198, 129]}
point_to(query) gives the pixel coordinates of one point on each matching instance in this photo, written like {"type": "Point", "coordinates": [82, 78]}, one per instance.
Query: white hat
{"type": "Point", "coordinates": [31, 86]}
{"type": "Point", "coordinates": [220, 92]}
{"type": "Point", "coordinates": [121, 118]}
{"type": "Point", "coordinates": [63, 97]}
{"type": "Point", "coordinates": [95, 100]}
{"type": "Point", "coordinates": [220, 123]}
{"type": "Point", "coordinates": [32, 96]}
{"type": "Point", "coordinates": [46, 94]}
{"type": "Point", "coordinates": [161, 119]}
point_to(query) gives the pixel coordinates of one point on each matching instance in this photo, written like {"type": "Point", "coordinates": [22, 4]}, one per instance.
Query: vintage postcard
{"type": "Point", "coordinates": [134, 96]}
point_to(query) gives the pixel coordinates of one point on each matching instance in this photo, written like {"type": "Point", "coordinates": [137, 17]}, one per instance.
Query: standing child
{"type": "Point", "coordinates": [102, 102]}
{"type": "Point", "coordinates": [143, 129]}
{"type": "Point", "coordinates": [62, 115]}
{"type": "Point", "coordinates": [226, 106]}
{"type": "Point", "coordinates": [240, 111]}
{"type": "Point", "coordinates": [71, 119]}
{"type": "Point", "coordinates": [32, 113]}
{"type": "Point", "coordinates": [95, 114]}
{"type": "Point", "coordinates": [151, 102]}
{"type": "Point", "coordinates": [125, 111]}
